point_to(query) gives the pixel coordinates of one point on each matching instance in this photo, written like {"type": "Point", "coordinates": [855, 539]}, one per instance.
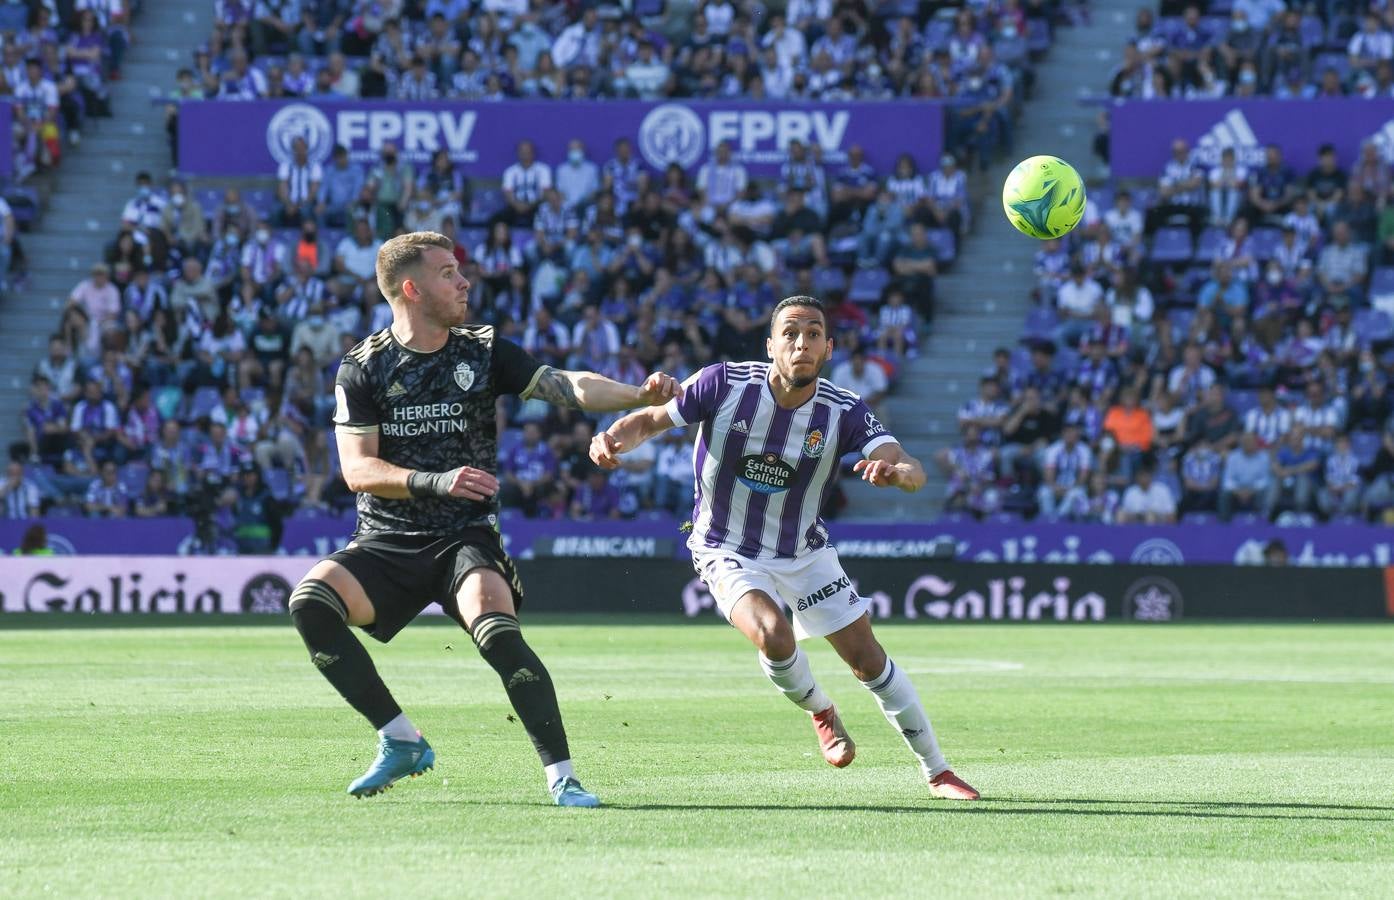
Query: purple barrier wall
{"type": "Point", "coordinates": [1331, 545]}
{"type": "Point", "coordinates": [251, 138]}
{"type": "Point", "coordinates": [1142, 131]}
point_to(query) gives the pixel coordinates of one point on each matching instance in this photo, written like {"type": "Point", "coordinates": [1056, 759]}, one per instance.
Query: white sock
{"type": "Point", "coordinates": [557, 771]}
{"type": "Point", "coordinates": [401, 729]}
{"type": "Point", "coordinates": [793, 677]}
{"type": "Point", "coordinates": [901, 705]}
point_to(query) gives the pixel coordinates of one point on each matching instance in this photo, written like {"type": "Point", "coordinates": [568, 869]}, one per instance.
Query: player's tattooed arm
{"type": "Point", "coordinates": [596, 393]}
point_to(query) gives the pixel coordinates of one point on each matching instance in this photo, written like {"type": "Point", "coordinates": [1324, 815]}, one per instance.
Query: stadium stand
{"type": "Point", "coordinates": [204, 341]}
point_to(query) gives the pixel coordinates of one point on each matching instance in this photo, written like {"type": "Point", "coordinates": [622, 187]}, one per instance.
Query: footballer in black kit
{"type": "Point", "coordinates": [415, 422]}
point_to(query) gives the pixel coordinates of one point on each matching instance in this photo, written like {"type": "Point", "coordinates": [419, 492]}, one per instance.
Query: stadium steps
{"type": "Point", "coordinates": [84, 197]}
{"type": "Point", "coordinates": [983, 300]}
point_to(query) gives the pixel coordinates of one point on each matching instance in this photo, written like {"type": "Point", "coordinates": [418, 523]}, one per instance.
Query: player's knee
{"type": "Point", "coordinates": [774, 637]}
{"type": "Point", "coordinates": [313, 595]}
{"type": "Point", "coordinates": [494, 633]}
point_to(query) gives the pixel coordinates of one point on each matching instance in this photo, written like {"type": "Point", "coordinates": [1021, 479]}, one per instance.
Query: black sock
{"type": "Point", "coordinates": [526, 681]}
{"type": "Point", "coordinates": [340, 657]}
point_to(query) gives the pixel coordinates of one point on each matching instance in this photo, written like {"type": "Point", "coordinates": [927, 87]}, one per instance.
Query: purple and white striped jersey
{"type": "Point", "coordinates": [763, 472]}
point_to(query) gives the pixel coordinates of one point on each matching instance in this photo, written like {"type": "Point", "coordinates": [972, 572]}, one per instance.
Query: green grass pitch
{"type": "Point", "coordinates": [181, 759]}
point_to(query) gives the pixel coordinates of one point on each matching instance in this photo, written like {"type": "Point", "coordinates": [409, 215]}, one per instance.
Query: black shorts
{"type": "Point", "coordinates": [403, 574]}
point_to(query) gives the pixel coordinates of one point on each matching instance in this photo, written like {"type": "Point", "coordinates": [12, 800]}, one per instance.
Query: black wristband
{"type": "Point", "coordinates": [429, 484]}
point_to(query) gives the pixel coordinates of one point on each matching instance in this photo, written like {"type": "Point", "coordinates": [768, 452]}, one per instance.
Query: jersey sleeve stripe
{"type": "Point", "coordinates": [526, 393]}
{"type": "Point", "coordinates": [880, 441]}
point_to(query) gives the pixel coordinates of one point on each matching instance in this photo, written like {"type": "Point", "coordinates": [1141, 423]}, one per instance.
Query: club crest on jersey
{"type": "Point", "coordinates": [464, 376]}
{"type": "Point", "coordinates": [813, 445]}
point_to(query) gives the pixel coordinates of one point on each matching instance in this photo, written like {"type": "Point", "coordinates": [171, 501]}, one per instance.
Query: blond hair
{"type": "Point", "coordinates": [397, 256]}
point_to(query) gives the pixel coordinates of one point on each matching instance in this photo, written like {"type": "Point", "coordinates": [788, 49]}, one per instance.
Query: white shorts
{"type": "Point", "coordinates": [813, 586]}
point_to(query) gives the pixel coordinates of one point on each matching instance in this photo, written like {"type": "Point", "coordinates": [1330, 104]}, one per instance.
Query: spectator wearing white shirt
{"type": "Point", "coordinates": [895, 325]}
{"type": "Point", "coordinates": [1124, 222]}
{"type": "Point", "coordinates": [1268, 421]}
{"type": "Point", "coordinates": [20, 497]}
{"type": "Point", "coordinates": [146, 209]}
{"type": "Point", "coordinates": [1229, 186]}
{"type": "Point", "coordinates": [1369, 46]}
{"type": "Point", "coordinates": [721, 181]}
{"type": "Point", "coordinates": [648, 75]}
{"type": "Point", "coordinates": [297, 184]}
{"type": "Point", "coordinates": [577, 179]}
{"type": "Point", "coordinates": [1067, 465]}
{"type": "Point", "coordinates": [263, 262]}
{"type": "Point", "coordinates": [1340, 492]}
{"type": "Point", "coordinates": [674, 480]}
{"type": "Point", "coordinates": [1077, 301]}
{"type": "Point", "coordinates": [1180, 191]}
{"type": "Point", "coordinates": [1190, 380]}
{"type": "Point", "coordinates": [719, 14]}
{"type": "Point", "coordinates": [865, 379]}
{"type": "Point", "coordinates": [106, 495]}
{"type": "Point", "coordinates": [789, 45]}
{"type": "Point", "coordinates": [1147, 500]}
{"type": "Point", "coordinates": [524, 183]}
{"type": "Point", "coordinates": [1320, 418]}
{"type": "Point", "coordinates": [356, 257]}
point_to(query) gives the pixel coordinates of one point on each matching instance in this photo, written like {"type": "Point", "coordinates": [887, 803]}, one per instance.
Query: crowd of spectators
{"type": "Point", "coordinates": [56, 60]}
{"type": "Point", "coordinates": [1253, 48]}
{"type": "Point", "coordinates": [191, 371]}
{"type": "Point", "coordinates": [1217, 343]}
{"type": "Point", "coordinates": [979, 59]}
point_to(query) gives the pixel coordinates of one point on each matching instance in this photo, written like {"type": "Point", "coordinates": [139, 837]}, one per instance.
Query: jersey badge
{"type": "Point", "coordinates": [464, 376]}
{"type": "Point", "coordinates": [813, 445]}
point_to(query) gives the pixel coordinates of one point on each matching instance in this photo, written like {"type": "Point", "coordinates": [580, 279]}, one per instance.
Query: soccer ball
{"type": "Point", "coordinates": [1043, 197]}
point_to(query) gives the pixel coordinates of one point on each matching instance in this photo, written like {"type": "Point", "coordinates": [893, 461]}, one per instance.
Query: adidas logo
{"type": "Point", "coordinates": [741, 427]}
{"type": "Point", "coordinates": [912, 733]}
{"type": "Point", "coordinates": [809, 694]}
{"type": "Point", "coordinates": [1231, 131]}
{"type": "Point", "coordinates": [522, 676]}
{"type": "Point", "coordinates": [396, 390]}
{"type": "Point", "coordinates": [323, 660]}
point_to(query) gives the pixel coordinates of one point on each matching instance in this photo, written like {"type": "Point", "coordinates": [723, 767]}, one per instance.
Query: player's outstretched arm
{"type": "Point", "coordinates": [628, 433]}
{"type": "Point", "coordinates": [366, 473]}
{"type": "Point", "coordinates": [596, 393]}
{"type": "Point", "coordinates": [890, 466]}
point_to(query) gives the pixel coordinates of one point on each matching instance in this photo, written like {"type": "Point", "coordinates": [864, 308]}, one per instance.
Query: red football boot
{"type": "Point", "coordinates": [948, 786]}
{"type": "Point", "coordinates": [836, 745]}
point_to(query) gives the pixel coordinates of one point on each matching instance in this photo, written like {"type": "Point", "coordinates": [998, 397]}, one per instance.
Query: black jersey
{"type": "Point", "coordinates": [432, 412]}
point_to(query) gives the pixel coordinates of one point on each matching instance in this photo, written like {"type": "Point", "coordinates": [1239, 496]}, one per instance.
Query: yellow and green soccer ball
{"type": "Point", "coordinates": [1043, 197]}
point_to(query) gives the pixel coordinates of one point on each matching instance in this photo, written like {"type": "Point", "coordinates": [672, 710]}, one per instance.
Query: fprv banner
{"type": "Point", "coordinates": [1142, 131]}
{"type": "Point", "coordinates": [253, 138]}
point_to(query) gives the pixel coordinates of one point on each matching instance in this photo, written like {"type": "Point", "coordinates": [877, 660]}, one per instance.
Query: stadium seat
{"type": "Point", "coordinates": [203, 402]}
{"type": "Point", "coordinates": [1312, 31]}
{"type": "Point", "coordinates": [1264, 241]}
{"type": "Point", "coordinates": [278, 481]}
{"type": "Point", "coordinates": [1382, 282]}
{"type": "Point", "coordinates": [471, 237]}
{"type": "Point", "coordinates": [1171, 245]}
{"type": "Point", "coordinates": [868, 285]}
{"type": "Point", "coordinates": [486, 203]}
{"type": "Point", "coordinates": [1037, 35]}
{"type": "Point", "coordinates": [1212, 241]}
{"type": "Point", "coordinates": [1180, 320]}
{"type": "Point", "coordinates": [1041, 323]}
{"type": "Point", "coordinates": [828, 280]}
{"type": "Point", "coordinates": [1373, 326]}
{"type": "Point", "coordinates": [1197, 518]}
{"type": "Point", "coordinates": [1337, 61]}
{"type": "Point", "coordinates": [647, 9]}
{"type": "Point", "coordinates": [14, 17]}
{"type": "Point", "coordinates": [937, 33]}
{"type": "Point", "coordinates": [133, 476]}
{"type": "Point", "coordinates": [1241, 401]}
{"type": "Point", "coordinates": [1364, 444]}
{"type": "Point", "coordinates": [942, 240]}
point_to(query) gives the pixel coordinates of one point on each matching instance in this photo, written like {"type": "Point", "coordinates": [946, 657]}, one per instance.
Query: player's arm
{"type": "Point", "coordinates": [628, 433]}
{"type": "Point", "coordinates": [890, 466]}
{"type": "Point", "coordinates": [596, 393]}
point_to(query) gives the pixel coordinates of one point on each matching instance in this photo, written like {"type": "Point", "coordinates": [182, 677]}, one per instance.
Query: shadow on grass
{"type": "Point", "coordinates": [1060, 807]}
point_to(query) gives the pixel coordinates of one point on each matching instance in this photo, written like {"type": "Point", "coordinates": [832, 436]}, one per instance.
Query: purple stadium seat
{"type": "Point", "coordinates": [522, 238]}
{"type": "Point", "coordinates": [208, 198]}
{"type": "Point", "coordinates": [133, 475]}
{"type": "Point", "coordinates": [1264, 241]}
{"type": "Point", "coordinates": [1212, 241]}
{"type": "Point", "coordinates": [1242, 401]}
{"type": "Point", "coordinates": [1067, 360]}
{"type": "Point", "coordinates": [14, 17]}
{"type": "Point", "coordinates": [278, 481]}
{"type": "Point", "coordinates": [1382, 281]}
{"type": "Point", "coordinates": [867, 285]}
{"type": "Point", "coordinates": [1337, 61]}
{"type": "Point", "coordinates": [1171, 245]}
{"type": "Point", "coordinates": [937, 33]}
{"type": "Point", "coordinates": [1011, 50]}
{"type": "Point", "coordinates": [1373, 326]}
{"type": "Point", "coordinates": [1197, 518]}
{"type": "Point", "coordinates": [1041, 323]}
{"type": "Point", "coordinates": [954, 518]}
{"type": "Point", "coordinates": [205, 398]}
{"type": "Point", "coordinates": [263, 200]}
{"type": "Point", "coordinates": [1037, 35]}
{"type": "Point", "coordinates": [1102, 197]}
{"type": "Point", "coordinates": [1364, 444]}
{"type": "Point", "coordinates": [828, 280]}
{"type": "Point", "coordinates": [645, 9]}
{"type": "Point", "coordinates": [485, 204]}
{"type": "Point", "coordinates": [1312, 30]}
{"type": "Point", "coordinates": [942, 240]}
{"type": "Point", "coordinates": [471, 237]}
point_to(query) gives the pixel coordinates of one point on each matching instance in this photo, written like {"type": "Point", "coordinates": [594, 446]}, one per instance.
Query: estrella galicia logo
{"type": "Point", "coordinates": [299, 120]}
{"type": "Point", "coordinates": [1152, 599]}
{"type": "Point", "coordinates": [765, 473]}
{"type": "Point", "coordinates": [814, 444]}
{"type": "Point", "coordinates": [265, 593]}
{"type": "Point", "coordinates": [672, 133]}
{"type": "Point", "coordinates": [1157, 552]}
{"type": "Point", "coordinates": [830, 589]}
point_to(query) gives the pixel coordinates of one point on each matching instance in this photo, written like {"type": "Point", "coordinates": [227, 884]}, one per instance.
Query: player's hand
{"type": "Point", "coordinates": [658, 389]}
{"type": "Point", "coordinates": [606, 450]}
{"type": "Point", "coordinates": [473, 484]}
{"type": "Point", "coordinates": [879, 473]}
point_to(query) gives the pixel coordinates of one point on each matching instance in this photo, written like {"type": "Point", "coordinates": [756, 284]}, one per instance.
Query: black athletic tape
{"type": "Point", "coordinates": [490, 625]}
{"type": "Point", "coordinates": [429, 484]}
{"type": "Point", "coordinates": [313, 590]}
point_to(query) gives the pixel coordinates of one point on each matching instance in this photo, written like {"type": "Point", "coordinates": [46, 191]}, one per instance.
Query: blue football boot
{"type": "Point", "coordinates": [568, 792]}
{"type": "Point", "coordinates": [396, 760]}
